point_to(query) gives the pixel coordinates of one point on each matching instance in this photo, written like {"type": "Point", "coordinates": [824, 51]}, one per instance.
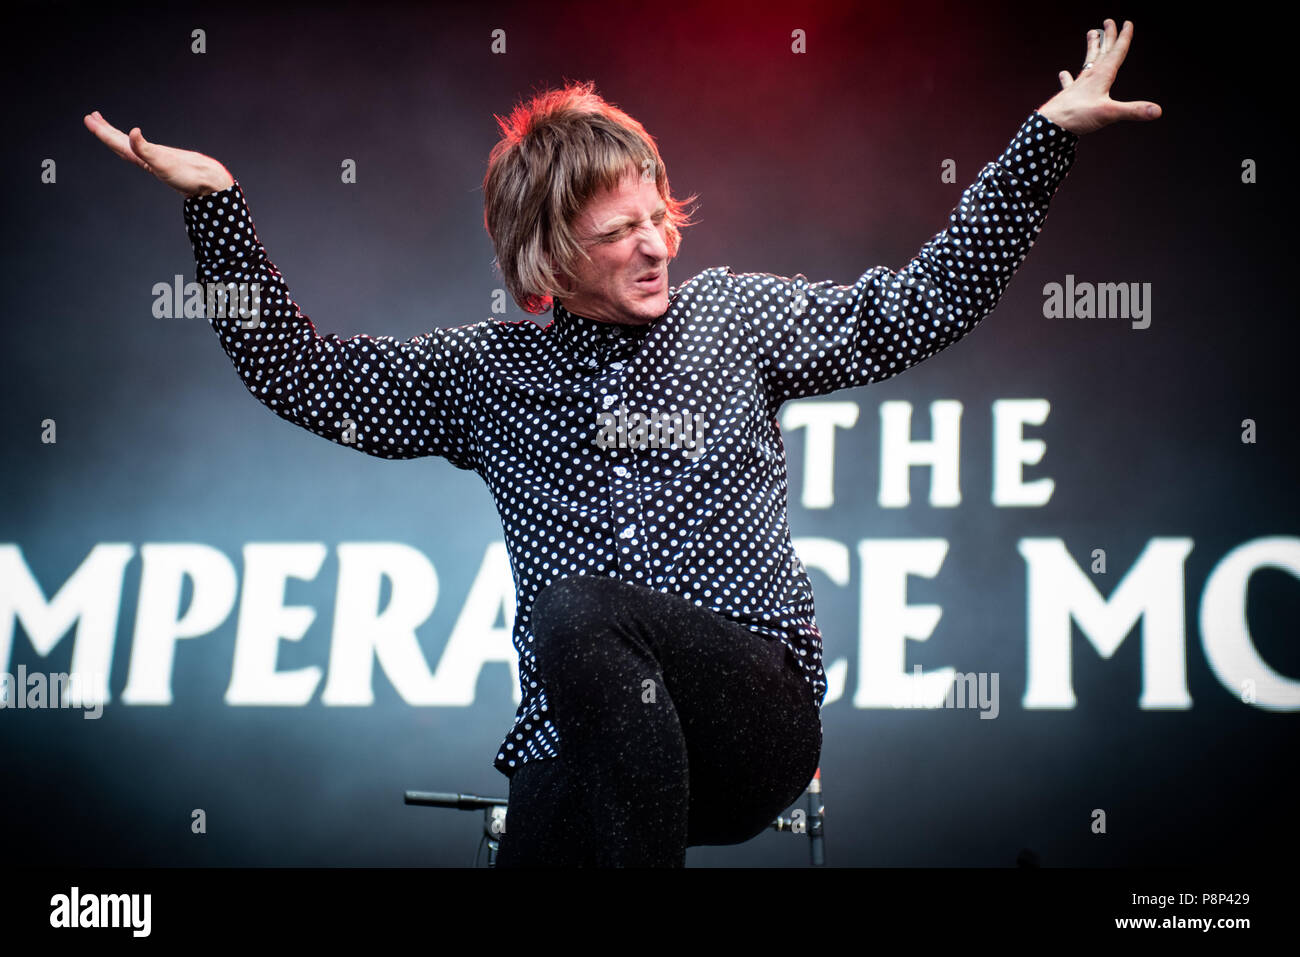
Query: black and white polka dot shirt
{"type": "Point", "coordinates": [650, 454]}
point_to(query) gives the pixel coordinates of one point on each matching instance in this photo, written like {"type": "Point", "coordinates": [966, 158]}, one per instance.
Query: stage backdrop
{"type": "Point", "coordinates": [1086, 523]}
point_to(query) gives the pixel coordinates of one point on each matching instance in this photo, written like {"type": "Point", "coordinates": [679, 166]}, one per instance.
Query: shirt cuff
{"type": "Point", "coordinates": [1041, 152]}
{"type": "Point", "coordinates": [220, 226]}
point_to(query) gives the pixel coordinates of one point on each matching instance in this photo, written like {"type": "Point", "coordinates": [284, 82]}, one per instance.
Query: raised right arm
{"type": "Point", "coordinates": [379, 395]}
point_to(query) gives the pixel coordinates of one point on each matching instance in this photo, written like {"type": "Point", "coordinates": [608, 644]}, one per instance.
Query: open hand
{"type": "Point", "coordinates": [1084, 104]}
{"type": "Point", "coordinates": [184, 170]}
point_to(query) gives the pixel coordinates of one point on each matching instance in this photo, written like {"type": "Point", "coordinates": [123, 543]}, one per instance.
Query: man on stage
{"type": "Point", "coordinates": [670, 662]}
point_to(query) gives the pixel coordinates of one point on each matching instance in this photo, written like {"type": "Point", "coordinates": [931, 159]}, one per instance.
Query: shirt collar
{"type": "Point", "coordinates": [595, 341]}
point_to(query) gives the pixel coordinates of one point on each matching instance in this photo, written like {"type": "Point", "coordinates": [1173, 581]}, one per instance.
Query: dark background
{"type": "Point", "coordinates": [825, 164]}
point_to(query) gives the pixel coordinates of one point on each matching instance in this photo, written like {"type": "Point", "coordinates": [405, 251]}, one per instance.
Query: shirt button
{"type": "Point", "coordinates": [610, 400]}
{"type": "Point", "coordinates": [620, 470]}
{"type": "Point", "coordinates": [629, 530]}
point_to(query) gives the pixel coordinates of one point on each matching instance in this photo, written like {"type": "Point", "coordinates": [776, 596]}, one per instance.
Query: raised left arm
{"type": "Point", "coordinates": [815, 338]}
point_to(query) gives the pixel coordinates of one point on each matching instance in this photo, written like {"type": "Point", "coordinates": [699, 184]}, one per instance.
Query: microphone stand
{"type": "Point", "coordinates": [494, 813]}
{"type": "Point", "coordinates": [811, 822]}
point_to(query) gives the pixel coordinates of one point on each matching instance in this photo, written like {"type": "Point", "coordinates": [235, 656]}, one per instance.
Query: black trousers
{"type": "Point", "coordinates": [678, 727]}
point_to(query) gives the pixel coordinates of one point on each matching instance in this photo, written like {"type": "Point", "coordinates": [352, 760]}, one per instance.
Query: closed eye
{"type": "Point", "coordinates": [658, 219]}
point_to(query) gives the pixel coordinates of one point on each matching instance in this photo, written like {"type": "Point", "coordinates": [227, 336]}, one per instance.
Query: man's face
{"type": "Point", "coordinates": [624, 233]}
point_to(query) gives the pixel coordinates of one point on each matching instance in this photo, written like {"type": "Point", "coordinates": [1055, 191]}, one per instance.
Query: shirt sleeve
{"type": "Point", "coordinates": [379, 395]}
{"type": "Point", "coordinates": [816, 338]}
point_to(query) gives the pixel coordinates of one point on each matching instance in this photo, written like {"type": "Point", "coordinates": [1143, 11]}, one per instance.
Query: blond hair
{"type": "Point", "coordinates": [555, 153]}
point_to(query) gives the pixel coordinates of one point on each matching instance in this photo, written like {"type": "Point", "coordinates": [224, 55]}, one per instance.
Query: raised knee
{"type": "Point", "coordinates": [567, 606]}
